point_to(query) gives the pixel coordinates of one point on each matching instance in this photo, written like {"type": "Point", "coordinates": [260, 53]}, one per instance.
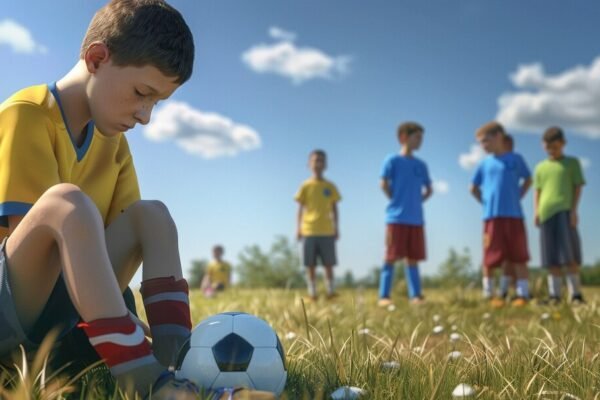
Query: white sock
{"type": "Point", "coordinates": [312, 288]}
{"type": "Point", "coordinates": [574, 284]}
{"type": "Point", "coordinates": [487, 287]}
{"type": "Point", "coordinates": [504, 284]}
{"type": "Point", "coordinates": [554, 285]}
{"type": "Point", "coordinates": [523, 288]}
{"type": "Point", "coordinates": [330, 286]}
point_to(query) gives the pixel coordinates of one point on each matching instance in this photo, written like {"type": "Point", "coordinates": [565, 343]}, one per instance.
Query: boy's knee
{"type": "Point", "coordinates": [150, 210]}
{"type": "Point", "coordinates": [66, 199]}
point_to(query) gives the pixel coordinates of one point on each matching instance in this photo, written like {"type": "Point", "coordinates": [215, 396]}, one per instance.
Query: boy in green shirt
{"type": "Point", "coordinates": [558, 181]}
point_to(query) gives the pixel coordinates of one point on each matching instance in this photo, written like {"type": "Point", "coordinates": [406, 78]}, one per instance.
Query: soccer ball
{"type": "Point", "coordinates": [234, 349]}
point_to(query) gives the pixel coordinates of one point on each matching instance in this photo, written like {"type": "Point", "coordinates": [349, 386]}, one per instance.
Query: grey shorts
{"type": "Point", "coordinates": [559, 241]}
{"type": "Point", "coordinates": [59, 312]}
{"type": "Point", "coordinates": [317, 248]}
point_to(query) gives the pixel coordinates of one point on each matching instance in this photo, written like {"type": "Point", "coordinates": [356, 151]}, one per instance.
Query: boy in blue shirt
{"type": "Point", "coordinates": [405, 181]}
{"type": "Point", "coordinates": [499, 183]}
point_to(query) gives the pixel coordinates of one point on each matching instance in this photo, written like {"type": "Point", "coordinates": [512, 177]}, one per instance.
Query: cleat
{"type": "Point", "coordinates": [519, 302]}
{"type": "Point", "coordinates": [497, 302]}
{"type": "Point", "coordinates": [577, 300]}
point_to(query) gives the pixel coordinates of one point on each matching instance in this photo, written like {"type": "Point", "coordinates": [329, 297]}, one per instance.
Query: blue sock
{"type": "Point", "coordinates": [413, 280]}
{"type": "Point", "coordinates": [385, 280]}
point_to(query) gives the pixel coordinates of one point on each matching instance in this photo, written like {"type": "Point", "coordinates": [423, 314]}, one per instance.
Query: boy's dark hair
{"type": "Point", "coordinates": [509, 141]}
{"type": "Point", "coordinates": [318, 152]}
{"type": "Point", "coordinates": [218, 247]}
{"type": "Point", "coordinates": [553, 134]}
{"type": "Point", "coordinates": [409, 128]}
{"type": "Point", "coordinates": [491, 127]}
{"type": "Point", "coordinates": [144, 32]}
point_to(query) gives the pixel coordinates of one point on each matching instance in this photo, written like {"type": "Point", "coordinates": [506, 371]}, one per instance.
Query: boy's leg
{"type": "Point", "coordinates": [518, 255]}
{"type": "Point", "coordinates": [551, 246]}
{"type": "Point", "coordinates": [415, 252]}
{"type": "Point", "coordinates": [396, 243]}
{"type": "Point", "coordinates": [145, 231]}
{"type": "Point", "coordinates": [571, 248]}
{"type": "Point", "coordinates": [413, 279]}
{"type": "Point", "coordinates": [309, 259]}
{"type": "Point", "coordinates": [554, 283]}
{"type": "Point", "coordinates": [326, 247]}
{"type": "Point", "coordinates": [63, 233]}
{"type": "Point", "coordinates": [493, 253]}
{"type": "Point", "coordinates": [311, 281]}
{"type": "Point", "coordinates": [386, 278]}
{"type": "Point", "coordinates": [487, 281]}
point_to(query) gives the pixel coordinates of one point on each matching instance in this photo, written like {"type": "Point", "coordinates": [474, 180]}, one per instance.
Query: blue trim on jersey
{"type": "Point", "coordinates": [80, 151]}
{"type": "Point", "coordinates": [12, 208]}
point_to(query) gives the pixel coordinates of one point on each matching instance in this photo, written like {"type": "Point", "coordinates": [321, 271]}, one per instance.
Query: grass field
{"type": "Point", "coordinates": [535, 352]}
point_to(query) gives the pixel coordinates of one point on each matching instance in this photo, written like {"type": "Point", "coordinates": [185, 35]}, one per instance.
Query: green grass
{"type": "Point", "coordinates": [506, 354]}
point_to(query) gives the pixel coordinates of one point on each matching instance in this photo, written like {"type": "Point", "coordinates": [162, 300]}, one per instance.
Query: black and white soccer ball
{"type": "Point", "coordinates": [234, 349]}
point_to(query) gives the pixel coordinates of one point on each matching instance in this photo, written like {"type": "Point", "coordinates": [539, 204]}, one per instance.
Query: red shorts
{"type": "Point", "coordinates": [404, 241]}
{"type": "Point", "coordinates": [504, 239]}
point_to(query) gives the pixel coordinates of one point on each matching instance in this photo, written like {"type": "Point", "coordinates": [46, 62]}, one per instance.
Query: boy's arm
{"type": "Point", "coordinates": [385, 186]}
{"type": "Point", "coordinates": [428, 192]}
{"type": "Point", "coordinates": [299, 222]}
{"type": "Point", "coordinates": [525, 186]}
{"type": "Point", "coordinates": [574, 214]}
{"type": "Point", "coordinates": [476, 192]}
{"type": "Point", "coordinates": [536, 203]}
{"type": "Point", "coordinates": [335, 214]}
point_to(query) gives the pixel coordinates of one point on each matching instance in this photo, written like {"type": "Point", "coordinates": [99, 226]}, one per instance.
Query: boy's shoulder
{"type": "Point", "coordinates": [37, 95]}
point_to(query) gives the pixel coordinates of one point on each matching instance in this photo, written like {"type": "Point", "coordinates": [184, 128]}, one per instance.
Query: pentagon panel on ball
{"type": "Point", "coordinates": [234, 349]}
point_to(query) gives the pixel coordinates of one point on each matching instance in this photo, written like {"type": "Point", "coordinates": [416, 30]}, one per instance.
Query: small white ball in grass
{"type": "Point", "coordinates": [390, 365]}
{"type": "Point", "coordinates": [545, 316]}
{"type": "Point", "coordinates": [455, 355]}
{"type": "Point", "coordinates": [438, 329]}
{"type": "Point", "coordinates": [455, 337]}
{"type": "Point", "coordinates": [364, 331]}
{"type": "Point", "coordinates": [391, 307]}
{"type": "Point", "coordinates": [436, 318]}
{"type": "Point", "coordinates": [487, 315]}
{"type": "Point", "coordinates": [348, 393]}
{"type": "Point", "coordinates": [290, 335]}
{"type": "Point", "coordinates": [463, 390]}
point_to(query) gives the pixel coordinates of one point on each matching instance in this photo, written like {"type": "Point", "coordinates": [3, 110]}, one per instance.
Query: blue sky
{"type": "Point", "coordinates": [273, 80]}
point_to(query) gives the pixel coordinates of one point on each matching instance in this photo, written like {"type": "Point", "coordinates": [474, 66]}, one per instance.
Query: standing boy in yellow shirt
{"type": "Point", "coordinates": [318, 223]}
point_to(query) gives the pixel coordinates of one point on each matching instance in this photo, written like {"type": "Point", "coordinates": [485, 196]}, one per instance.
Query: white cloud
{"type": "Point", "coordinates": [441, 187]}
{"type": "Point", "coordinates": [297, 63]}
{"type": "Point", "coordinates": [207, 134]}
{"type": "Point", "coordinates": [470, 159]}
{"type": "Point", "coordinates": [278, 33]}
{"type": "Point", "coordinates": [585, 162]}
{"type": "Point", "coordinates": [19, 38]}
{"type": "Point", "coordinates": [570, 99]}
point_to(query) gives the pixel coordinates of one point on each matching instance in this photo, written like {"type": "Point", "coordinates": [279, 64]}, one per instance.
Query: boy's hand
{"type": "Point", "coordinates": [574, 219]}
{"type": "Point", "coordinates": [536, 220]}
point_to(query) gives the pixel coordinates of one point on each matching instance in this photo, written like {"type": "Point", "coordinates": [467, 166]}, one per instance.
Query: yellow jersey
{"type": "Point", "coordinates": [219, 272]}
{"type": "Point", "coordinates": [317, 198]}
{"type": "Point", "coordinates": [37, 152]}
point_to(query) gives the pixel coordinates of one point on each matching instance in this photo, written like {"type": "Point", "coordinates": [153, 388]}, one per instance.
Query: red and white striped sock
{"type": "Point", "coordinates": [125, 350]}
{"type": "Point", "coordinates": [168, 311]}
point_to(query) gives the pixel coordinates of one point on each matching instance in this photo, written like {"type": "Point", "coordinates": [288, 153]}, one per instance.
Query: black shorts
{"type": "Point", "coordinates": [59, 313]}
{"type": "Point", "coordinates": [559, 241]}
{"type": "Point", "coordinates": [317, 248]}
